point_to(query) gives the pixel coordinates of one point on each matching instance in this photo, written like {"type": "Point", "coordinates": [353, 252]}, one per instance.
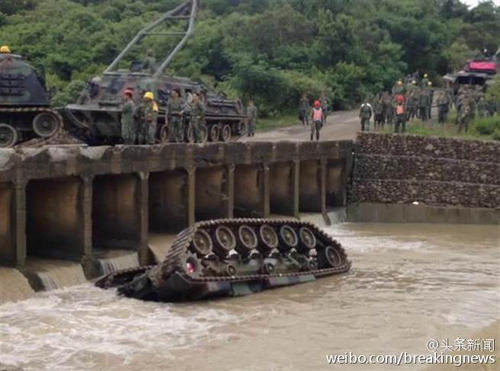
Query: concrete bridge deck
{"type": "Point", "coordinates": [67, 202]}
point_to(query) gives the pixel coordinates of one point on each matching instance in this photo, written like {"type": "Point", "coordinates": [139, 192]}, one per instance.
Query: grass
{"type": "Point", "coordinates": [271, 123]}
{"type": "Point", "coordinates": [487, 128]}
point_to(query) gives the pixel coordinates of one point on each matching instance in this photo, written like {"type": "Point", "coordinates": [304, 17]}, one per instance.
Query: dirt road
{"type": "Point", "coordinates": [340, 126]}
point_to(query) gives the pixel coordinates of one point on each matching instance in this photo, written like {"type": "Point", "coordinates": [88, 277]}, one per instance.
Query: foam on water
{"type": "Point", "coordinates": [116, 260]}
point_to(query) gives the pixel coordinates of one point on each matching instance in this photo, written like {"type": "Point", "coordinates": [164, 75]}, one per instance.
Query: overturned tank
{"type": "Point", "coordinates": [234, 257]}
{"type": "Point", "coordinates": [96, 116]}
{"type": "Point", "coordinates": [25, 111]}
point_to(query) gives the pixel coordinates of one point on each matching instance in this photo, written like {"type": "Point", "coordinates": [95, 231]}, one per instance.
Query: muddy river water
{"type": "Point", "coordinates": [408, 284]}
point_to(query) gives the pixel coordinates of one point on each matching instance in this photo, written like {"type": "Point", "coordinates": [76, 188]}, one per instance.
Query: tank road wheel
{"type": "Point", "coordinates": [226, 241]}
{"type": "Point", "coordinates": [225, 134]}
{"type": "Point", "coordinates": [231, 270]}
{"type": "Point", "coordinates": [307, 238]}
{"type": "Point", "coordinates": [202, 242]}
{"type": "Point", "coordinates": [289, 237]}
{"type": "Point", "coordinates": [46, 124]}
{"type": "Point", "coordinates": [247, 240]}
{"type": "Point", "coordinates": [268, 268]}
{"type": "Point", "coordinates": [269, 237]}
{"type": "Point", "coordinates": [8, 136]}
{"type": "Point", "coordinates": [192, 266]}
{"type": "Point", "coordinates": [328, 258]}
{"type": "Point", "coordinates": [214, 133]}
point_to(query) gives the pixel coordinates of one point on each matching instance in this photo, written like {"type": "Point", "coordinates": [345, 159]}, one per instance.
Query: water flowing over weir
{"type": "Point", "coordinates": [115, 260]}
{"type": "Point", "coordinates": [14, 285]}
{"type": "Point", "coordinates": [46, 274]}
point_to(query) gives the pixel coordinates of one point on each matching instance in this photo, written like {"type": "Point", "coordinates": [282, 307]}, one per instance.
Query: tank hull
{"type": "Point", "coordinates": [205, 262]}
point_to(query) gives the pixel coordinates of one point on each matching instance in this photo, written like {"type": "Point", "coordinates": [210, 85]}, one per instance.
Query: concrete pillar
{"type": "Point", "coordinates": [230, 191]}
{"type": "Point", "coordinates": [7, 225]}
{"type": "Point", "coordinates": [336, 184]}
{"type": "Point", "coordinates": [323, 168]}
{"type": "Point", "coordinates": [296, 188]}
{"type": "Point", "coordinates": [20, 223]}
{"type": "Point", "coordinates": [85, 209]}
{"type": "Point", "coordinates": [266, 191]}
{"type": "Point", "coordinates": [191, 196]}
{"type": "Point", "coordinates": [142, 199]}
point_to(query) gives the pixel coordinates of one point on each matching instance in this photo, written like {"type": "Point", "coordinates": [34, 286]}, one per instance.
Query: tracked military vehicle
{"type": "Point", "coordinates": [97, 115]}
{"type": "Point", "coordinates": [234, 257]}
{"type": "Point", "coordinates": [25, 111]}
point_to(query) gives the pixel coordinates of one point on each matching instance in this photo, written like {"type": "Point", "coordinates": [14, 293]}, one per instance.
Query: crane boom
{"type": "Point", "coordinates": [185, 11]}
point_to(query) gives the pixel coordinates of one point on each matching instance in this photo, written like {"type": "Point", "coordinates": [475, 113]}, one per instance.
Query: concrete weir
{"type": "Point", "coordinates": [99, 206]}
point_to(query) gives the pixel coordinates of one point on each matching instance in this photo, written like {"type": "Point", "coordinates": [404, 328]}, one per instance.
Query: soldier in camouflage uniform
{"type": "Point", "coordinates": [149, 64]}
{"type": "Point", "coordinates": [175, 111]}
{"type": "Point", "coordinates": [148, 114]}
{"type": "Point", "coordinates": [324, 105]}
{"type": "Point", "coordinates": [464, 115]}
{"type": "Point", "coordinates": [197, 117]}
{"type": "Point", "coordinates": [252, 118]}
{"type": "Point", "coordinates": [128, 122]}
{"type": "Point", "coordinates": [379, 113]}
{"type": "Point", "coordinates": [304, 108]}
{"type": "Point", "coordinates": [443, 104]}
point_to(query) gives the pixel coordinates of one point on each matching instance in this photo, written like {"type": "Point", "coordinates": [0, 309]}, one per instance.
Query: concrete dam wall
{"type": "Point", "coordinates": [86, 205]}
{"type": "Point", "coordinates": [448, 180]}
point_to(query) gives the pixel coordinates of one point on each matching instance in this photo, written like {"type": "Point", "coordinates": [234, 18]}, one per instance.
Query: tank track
{"type": "Point", "coordinates": [232, 251]}
{"type": "Point", "coordinates": [35, 110]}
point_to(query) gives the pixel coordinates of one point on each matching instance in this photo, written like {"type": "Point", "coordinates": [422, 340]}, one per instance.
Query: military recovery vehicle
{"type": "Point", "coordinates": [234, 257]}
{"type": "Point", "coordinates": [25, 111]}
{"type": "Point", "coordinates": [97, 115]}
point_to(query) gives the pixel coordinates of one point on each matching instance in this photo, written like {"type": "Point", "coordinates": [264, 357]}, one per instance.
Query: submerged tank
{"type": "Point", "coordinates": [96, 117]}
{"type": "Point", "coordinates": [25, 111]}
{"type": "Point", "coordinates": [234, 257]}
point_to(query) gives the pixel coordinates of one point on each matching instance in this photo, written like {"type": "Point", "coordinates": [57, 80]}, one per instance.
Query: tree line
{"type": "Point", "coordinates": [270, 50]}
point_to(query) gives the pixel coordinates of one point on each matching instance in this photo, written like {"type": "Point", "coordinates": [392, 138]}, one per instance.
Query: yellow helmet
{"type": "Point", "coordinates": [429, 83]}
{"type": "Point", "coordinates": [5, 49]}
{"type": "Point", "coordinates": [414, 82]}
{"type": "Point", "coordinates": [400, 82]}
{"type": "Point", "coordinates": [425, 75]}
{"type": "Point", "coordinates": [149, 95]}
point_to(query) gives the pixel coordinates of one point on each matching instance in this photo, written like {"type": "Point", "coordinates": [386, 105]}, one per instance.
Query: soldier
{"type": "Point", "coordinates": [252, 118]}
{"type": "Point", "coordinates": [317, 119]}
{"type": "Point", "coordinates": [443, 104]}
{"type": "Point", "coordinates": [4, 49]}
{"type": "Point", "coordinates": [423, 103]}
{"type": "Point", "coordinates": [365, 114]}
{"type": "Point", "coordinates": [129, 125]}
{"type": "Point", "coordinates": [175, 112]}
{"type": "Point", "coordinates": [464, 116]}
{"type": "Point", "coordinates": [324, 105]}
{"type": "Point", "coordinates": [399, 88]}
{"type": "Point", "coordinates": [400, 115]}
{"type": "Point", "coordinates": [197, 117]}
{"type": "Point", "coordinates": [430, 100]}
{"type": "Point", "coordinates": [148, 113]}
{"type": "Point", "coordinates": [304, 109]}
{"type": "Point", "coordinates": [388, 109]}
{"type": "Point", "coordinates": [379, 113]}
{"type": "Point", "coordinates": [149, 62]}
{"type": "Point", "coordinates": [424, 81]}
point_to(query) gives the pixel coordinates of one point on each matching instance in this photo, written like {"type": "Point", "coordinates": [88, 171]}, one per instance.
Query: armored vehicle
{"type": "Point", "coordinates": [97, 115]}
{"type": "Point", "coordinates": [234, 257]}
{"type": "Point", "coordinates": [25, 111]}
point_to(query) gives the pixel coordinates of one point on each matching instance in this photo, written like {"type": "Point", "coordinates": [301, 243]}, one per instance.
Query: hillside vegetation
{"type": "Point", "coordinates": [272, 50]}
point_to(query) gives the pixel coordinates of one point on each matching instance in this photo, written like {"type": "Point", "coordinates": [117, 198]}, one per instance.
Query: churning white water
{"type": "Point", "coordinates": [408, 283]}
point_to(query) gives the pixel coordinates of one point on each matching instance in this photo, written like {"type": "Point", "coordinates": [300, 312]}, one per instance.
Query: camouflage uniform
{"type": "Point", "coordinates": [365, 114]}
{"type": "Point", "coordinates": [304, 109]}
{"type": "Point", "coordinates": [464, 116]}
{"type": "Point", "coordinates": [423, 103]}
{"type": "Point", "coordinates": [128, 123]}
{"type": "Point", "coordinates": [174, 109]}
{"type": "Point", "coordinates": [443, 107]}
{"type": "Point", "coordinates": [324, 106]}
{"type": "Point", "coordinates": [252, 119]}
{"type": "Point", "coordinates": [197, 119]}
{"type": "Point", "coordinates": [379, 113]}
{"type": "Point", "coordinates": [400, 119]}
{"type": "Point", "coordinates": [147, 129]}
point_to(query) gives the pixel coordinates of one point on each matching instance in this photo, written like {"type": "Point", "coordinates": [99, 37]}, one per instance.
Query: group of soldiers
{"type": "Point", "coordinates": [139, 121]}
{"type": "Point", "coordinates": [412, 99]}
{"type": "Point", "coordinates": [315, 115]}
